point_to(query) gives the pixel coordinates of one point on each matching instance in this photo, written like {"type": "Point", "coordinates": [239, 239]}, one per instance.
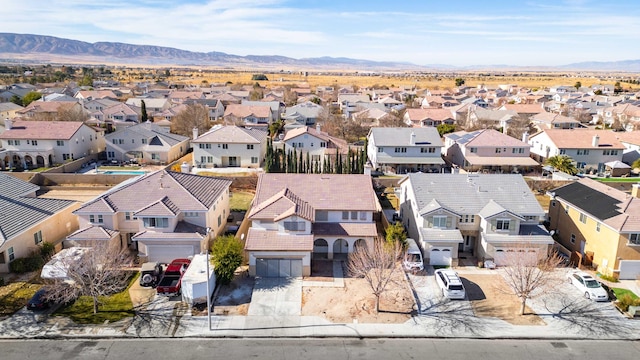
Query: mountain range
{"type": "Point", "coordinates": [41, 48]}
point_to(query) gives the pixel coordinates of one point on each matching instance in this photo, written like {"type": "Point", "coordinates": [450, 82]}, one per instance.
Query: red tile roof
{"type": "Point", "coordinates": [42, 130]}
{"type": "Point", "coordinates": [264, 240]}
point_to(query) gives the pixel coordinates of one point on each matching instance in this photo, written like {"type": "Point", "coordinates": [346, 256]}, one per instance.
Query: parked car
{"type": "Point", "coordinates": [171, 281]}
{"type": "Point", "coordinates": [39, 300]}
{"type": "Point", "coordinates": [413, 257]}
{"type": "Point", "coordinates": [590, 287]}
{"type": "Point", "coordinates": [450, 284]}
{"type": "Point", "coordinates": [150, 274]}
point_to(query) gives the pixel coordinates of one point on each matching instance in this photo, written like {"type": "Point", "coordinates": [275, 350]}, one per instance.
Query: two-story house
{"type": "Point", "coordinates": [34, 144]}
{"type": "Point", "coordinates": [484, 215]}
{"type": "Point", "coordinates": [147, 143]}
{"type": "Point", "coordinates": [488, 150]}
{"type": "Point", "coordinates": [298, 217]}
{"type": "Point", "coordinates": [404, 150]}
{"type": "Point", "coordinates": [163, 215]}
{"type": "Point", "coordinates": [248, 114]}
{"type": "Point", "coordinates": [428, 117]}
{"type": "Point", "coordinates": [8, 110]}
{"type": "Point", "coordinates": [27, 221]}
{"type": "Point", "coordinates": [598, 226]}
{"type": "Point", "coordinates": [303, 114]}
{"type": "Point", "coordinates": [230, 146]}
{"type": "Point", "coordinates": [546, 120]}
{"type": "Point", "coordinates": [589, 149]}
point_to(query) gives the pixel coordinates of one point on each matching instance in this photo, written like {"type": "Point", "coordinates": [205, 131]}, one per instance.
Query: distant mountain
{"type": "Point", "coordinates": [625, 66]}
{"type": "Point", "coordinates": [53, 49]}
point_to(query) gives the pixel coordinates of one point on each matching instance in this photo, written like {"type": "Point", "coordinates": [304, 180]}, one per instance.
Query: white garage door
{"type": "Point", "coordinates": [279, 267]}
{"type": "Point", "coordinates": [524, 256]}
{"type": "Point", "coordinates": [166, 253]}
{"type": "Point", "coordinates": [440, 256]}
{"type": "Point", "coordinates": [629, 269]}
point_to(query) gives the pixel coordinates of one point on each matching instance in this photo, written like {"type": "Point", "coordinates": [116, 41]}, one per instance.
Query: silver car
{"type": "Point", "coordinates": [590, 287]}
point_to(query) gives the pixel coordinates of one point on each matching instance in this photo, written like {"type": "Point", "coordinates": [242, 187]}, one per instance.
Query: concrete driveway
{"type": "Point", "coordinates": [276, 297]}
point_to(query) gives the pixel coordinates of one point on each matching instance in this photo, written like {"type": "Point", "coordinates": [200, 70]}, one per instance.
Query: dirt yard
{"type": "Point", "coordinates": [234, 299]}
{"type": "Point", "coordinates": [489, 297]}
{"type": "Point", "coordinates": [355, 302]}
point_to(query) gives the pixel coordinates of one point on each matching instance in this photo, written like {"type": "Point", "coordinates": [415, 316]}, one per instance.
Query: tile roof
{"type": "Point", "coordinates": [232, 135]}
{"type": "Point", "coordinates": [282, 205]}
{"type": "Point", "coordinates": [186, 192]}
{"type": "Point", "coordinates": [93, 233]}
{"type": "Point", "coordinates": [243, 111]}
{"type": "Point", "coordinates": [631, 137]}
{"type": "Point", "coordinates": [525, 108]}
{"type": "Point", "coordinates": [149, 130]}
{"type": "Point", "coordinates": [429, 114]}
{"type": "Point", "coordinates": [582, 138]}
{"type": "Point", "coordinates": [264, 240]}
{"type": "Point", "coordinates": [387, 136]}
{"type": "Point", "coordinates": [19, 212]}
{"type": "Point", "coordinates": [552, 118]}
{"type": "Point", "coordinates": [42, 130]}
{"type": "Point", "coordinates": [486, 137]}
{"type": "Point", "coordinates": [345, 229]}
{"type": "Point", "coordinates": [47, 107]}
{"type": "Point", "coordinates": [162, 207]}
{"type": "Point", "coordinates": [435, 235]}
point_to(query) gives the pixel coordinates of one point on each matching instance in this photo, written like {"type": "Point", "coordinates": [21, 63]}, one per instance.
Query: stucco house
{"type": "Point", "coordinates": [428, 117]}
{"type": "Point", "coordinates": [248, 114]}
{"type": "Point", "coordinates": [230, 146]}
{"type": "Point", "coordinates": [598, 226]}
{"type": "Point", "coordinates": [33, 144]}
{"type": "Point", "coordinates": [483, 215]}
{"type": "Point", "coordinates": [163, 215]}
{"type": "Point", "coordinates": [147, 143]}
{"type": "Point", "coordinates": [27, 221]}
{"type": "Point", "coordinates": [298, 217]}
{"type": "Point", "coordinates": [404, 150]}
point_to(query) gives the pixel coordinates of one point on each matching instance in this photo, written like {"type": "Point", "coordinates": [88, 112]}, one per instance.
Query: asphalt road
{"type": "Point", "coordinates": [325, 349]}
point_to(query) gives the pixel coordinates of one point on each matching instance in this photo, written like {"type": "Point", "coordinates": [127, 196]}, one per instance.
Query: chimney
{"type": "Point", "coordinates": [635, 190]}
{"type": "Point", "coordinates": [525, 137]}
{"type": "Point", "coordinates": [318, 127]}
{"type": "Point", "coordinates": [595, 141]}
{"type": "Point", "coordinates": [195, 133]}
{"type": "Point", "coordinates": [412, 141]}
{"type": "Point", "coordinates": [8, 124]}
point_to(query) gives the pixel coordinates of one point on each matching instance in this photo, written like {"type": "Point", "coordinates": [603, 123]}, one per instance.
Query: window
{"type": "Point", "coordinates": [429, 150]}
{"type": "Point", "coordinates": [598, 226]}
{"type": "Point", "coordinates": [498, 150]}
{"type": "Point", "coordinates": [345, 215]}
{"type": "Point", "coordinates": [203, 159]}
{"type": "Point", "coordinates": [363, 215]}
{"type": "Point", "coordinates": [322, 215]}
{"type": "Point", "coordinates": [254, 159]}
{"type": "Point", "coordinates": [155, 156]}
{"type": "Point", "coordinates": [380, 149]}
{"type": "Point", "coordinates": [59, 143]}
{"type": "Point", "coordinates": [583, 152]}
{"type": "Point", "coordinates": [502, 224]}
{"type": "Point", "coordinates": [34, 142]}
{"type": "Point", "coordinates": [96, 219]}
{"type": "Point", "coordinates": [323, 144]}
{"type": "Point", "coordinates": [634, 239]}
{"type": "Point", "coordinates": [190, 214]}
{"type": "Point", "coordinates": [111, 154]}
{"type": "Point", "coordinates": [3, 260]}
{"type": "Point", "coordinates": [12, 256]}
{"type": "Point", "coordinates": [127, 216]}
{"type": "Point", "coordinates": [583, 218]}
{"type": "Point", "coordinates": [120, 141]}
{"type": "Point", "coordinates": [563, 152]}
{"type": "Point", "coordinates": [225, 146]}
{"type": "Point", "coordinates": [133, 141]}
{"type": "Point", "coordinates": [37, 237]}
{"type": "Point", "coordinates": [354, 215]}
{"type": "Point", "coordinates": [400, 150]}
{"type": "Point", "coordinates": [473, 150]}
{"type": "Point", "coordinates": [566, 209]}
{"type": "Point", "coordinates": [300, 145]}
{"type": "Point", "coordinates": [439, 221]}
{"type": "Point", "coordinates": [249, 146]}
{"type": "Point", "coordinates": [467, 218]}
{"type": "Point", "coordinates": [209, 159]}
{"type": "Point", "coordinates": [573, 238]}
{"type": "Point", "coordinates": [144, 141]}
{"type": "Point", "coordinates": [156, 222]}
{"type": "Point", "coordinates": [204, 146]}
{"type": "Point", "coordinates": [294, 225]}
{"type": "Point", "coordinates": [610, 152]}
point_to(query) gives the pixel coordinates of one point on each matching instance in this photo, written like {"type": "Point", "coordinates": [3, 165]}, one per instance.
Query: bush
{"type": "Point", "coordinates": [18, 266]}
{"type": "Point", "coordinates": [627, 300]}
{"type": "Point", "coordinates": [23, 265]}
{"type": "Point", "coordinates": [227, 256]}
{"type": "Point", "coordinates": [46, 250]}
{"type": "Point", "coordinates": [608, 278]}
{"type": "Point", "coordinates": [1, 281]}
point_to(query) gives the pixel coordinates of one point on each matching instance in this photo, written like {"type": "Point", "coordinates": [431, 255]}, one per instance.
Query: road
{"type": "Point", "coordinates": [310, 349]}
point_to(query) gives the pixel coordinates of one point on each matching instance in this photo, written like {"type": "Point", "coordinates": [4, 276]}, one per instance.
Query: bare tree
{"type": "Point", "coordinates": [394, 119]}
{"type": "Point", "coordinates": [529, 276]}
{"type": "Point", "coordinates": [97, 271]}
{"type": "Point", "coordinates": [519, 125]}
{"type": "Point", "coordinates": [376, 264]}
{"type": "Point", "coordinates": [72, 114]}
{"type": "Point", "coordinates": [193, 116]}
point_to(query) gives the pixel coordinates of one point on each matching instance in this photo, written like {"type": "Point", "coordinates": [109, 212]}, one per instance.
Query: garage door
{"type": "Point", "coordinates": [524, 256]}
{"type": "Point", "coordinates": [166, 253]}
{"type": "Point", "coordinates": [440, 256]}
{"type": "Point", "coordinates": [279, 267]}
{"type": "Point", "coordinates": [629, 269]}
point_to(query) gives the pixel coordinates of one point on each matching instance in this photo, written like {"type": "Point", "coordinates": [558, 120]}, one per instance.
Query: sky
{"type": "Point", "coordinates": [421, 32]}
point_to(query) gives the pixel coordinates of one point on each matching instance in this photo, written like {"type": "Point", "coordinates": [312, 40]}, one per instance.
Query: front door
{"type": "Point", "coordinates": [233, 161]}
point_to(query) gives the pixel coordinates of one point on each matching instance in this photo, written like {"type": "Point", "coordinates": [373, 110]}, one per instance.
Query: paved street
{"type": "Point", "coordinates": [323, 349]}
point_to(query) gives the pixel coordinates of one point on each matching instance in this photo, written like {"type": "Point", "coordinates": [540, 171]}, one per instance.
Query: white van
{"type": "Point", "coordinates": [413, 257]}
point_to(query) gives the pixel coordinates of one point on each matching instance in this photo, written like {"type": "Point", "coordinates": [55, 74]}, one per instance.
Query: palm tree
{"type": "Point", "coordinates": [562, 163]}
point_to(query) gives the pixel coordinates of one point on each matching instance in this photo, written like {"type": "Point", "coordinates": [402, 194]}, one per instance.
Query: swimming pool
{"type": "Point", "coordinates": [116, 172]}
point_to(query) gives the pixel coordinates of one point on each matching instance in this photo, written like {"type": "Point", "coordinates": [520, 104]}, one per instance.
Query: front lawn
{"type": "Point", "coordinates": [240, 200]}
{"type": "Point", "coordinates": [620, 292]}
{"type": "Point", "coordinates": [619, 179]}
{"type": "Point", "coordinates": [112, 308]}
{"type": "Point", "coordinates": [15, 296]}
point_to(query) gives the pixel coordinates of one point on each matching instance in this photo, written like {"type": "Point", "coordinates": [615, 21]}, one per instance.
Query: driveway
{"type": "Point", "coordinates": [430, 296]}
{"type": "Point", "coordinates": [276, 297]}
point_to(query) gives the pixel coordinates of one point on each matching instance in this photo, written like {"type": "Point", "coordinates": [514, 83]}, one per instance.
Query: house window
{"type": "Point", "coordinates": [440, 222]}
{"type": "Point", "coordinates": [59, 143]}
{"type": "Point", "coordinates": [300, 145]}
{"type": "Point", "coordinates": [354, 215]}
{"type": "Point", "coordinates": [345, 215]}
{"type": "Point", "coordinates": [322, 215]}
{"type": "Point", "coordinates": [467, 218]}
{"type": "Point", "coordinates": [37, 237]}
{"type": "Point", "coordinates": [380, 149]}
{"type": "Point", "coordinates": [249, 146]}
{"type": "Point", "coordinates": [209, 159]}
{"type": "Point", "coordinates": [190, 214]}
{"type": "Point", "coordinates": [498, 150]}
{"type": "Point", "coordinates": [400, 150]}
{"type": "Point", "coordinates": [583, 218]}
{"type": "Point", "coordinates": [323, 144]}
{"type": "Point", "coordinates": [254, 159]}
{"type": "Point", "coordinates": [225, 146]}
{"type": "Point", "coordinates": [573, 238]}
{"type": "Point", "coordinates": [144, 141]}
{"type": "Point", "coordinates": [34, 142]}
{"type": "Point", "coordinates": [96, 219]}
{"type": "Point", "coordinates": [429, 150]}
{"type": "Point", "coordinates": [120, 141]}
{"type": "Point", "coordinates": [3, 260]}
{"type": "Point", "coordinates": [598, 226]}
{"type": "Point", "coordinates": [204, 146]}
{"type": "Point", "coordinates": [502, 224]}
{"type": "Point", "coordinates": [203, 159]}
{"type": "Point", "coordinates": [634, 239]}
{"type": "Point", "coordinates": [12, 255]}
{"type": "Point", "coordinates": [583, 152]}
{"type": "Point", "coordinates": [294, 225]}
{"type": "Point", "coordinates": [127, 216]}
{"type": "Point", "coordinates": [363, 215]}
{"type": "Point", "coordinates": [155, 222]}
{"type": "Point", "coordinates": [566, 209]}
{"type": "Point", "coordinates": [133, 141]}
{"type": "Point", "coordinates": [155, 156]}
{"type": "Point", "coordinates": [219, 220]}
{"type": "Point", "coordinates": [563, 152]}
{"type": "Point", "coordinates": [473, 150]}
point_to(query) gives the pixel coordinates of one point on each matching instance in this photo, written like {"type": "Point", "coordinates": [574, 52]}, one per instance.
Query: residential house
{"type": "Point", "coordinates": [180, 97]}
{"type": "Point", "coordinates": [303, 114]}
{"type": "Point", "coordinates": [589, 149]}
{"type": "Point", "coordinates": [488, 150]}
{"type": "Point", "coordinates": [152, 105]}
{"type": "Point", "coordinates": [215, 107]}
{"type": "Point", "coordinates": [625, 116]}
{"type": "Point", "coordinates": [34, 144]}
{"type": "Point", "coordinates": [277, 107]}
{"type": "Point", "coordinates": [319, 145]}
{"type": "Point", "coordinates": [546, 120]}
{"type": "Point", "coordinates": [8, 110]}
{"type": "Point", "coordinates": [27, 221]}
{"type": "Point", "coordinates": [49, 110]}
{"type": "Point", "coordinates": [163, 215]}
{"type": "Point", "coordinates": [524, 110]}
{"type": "Point", "coordinates": [230, 146]}
{"type": "Point", "coordinates": [370, 117]}
{"type": "Point", "coordinates": [486, 216]}
{"type": "Point", "coordinates": [248, 114]}
{"type": "Point", "coordinates": [631, 141]}
{"type": "Point", "coordinates": [296, 218]}
{"type": "Point", "coordinates": [349, 102]}
{"type": "Point", "coordinates": [428, 117]}
{"type": "Point", "coordinates": [598, 226]}
{"type": "Point", "coordinates": [96, 94]}
{"type": "Point", "coordinates": [147, 143]}
{"type": "Point", "coordinates": [121, 113]}
{"type": "Point", "coordinates": [404, 150]}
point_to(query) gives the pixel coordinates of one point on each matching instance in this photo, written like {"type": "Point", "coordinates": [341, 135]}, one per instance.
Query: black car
{"type": "Point", "coordinates": [39, 301]}
{"type": "Point", "coordinates": [150, 274]}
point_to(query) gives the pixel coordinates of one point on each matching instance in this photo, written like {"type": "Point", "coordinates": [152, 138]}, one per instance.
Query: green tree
{"type": "Point", "coordinates": [577, 85]}
{"type": "Point", "coordinates": [30, 97]}
{"type": "Point", "coordinates": [16, 100]}
{"type": "Point", "coordinates": [562, 163]}
{"type": "Point", "coordinates": [143, 110]}
{"type": "Point", "coordinates": [395, 234]}
{"type": "Point", "coordinates": [445, 129]}
{"type": "Point", "coordinates": [459, 81]}
{"type": "Point", "coordinates": [617, 88]}
{"type": "Point", "coordinates": [227, 256]}
{"type": "Point", "coordinates": [87, 80]}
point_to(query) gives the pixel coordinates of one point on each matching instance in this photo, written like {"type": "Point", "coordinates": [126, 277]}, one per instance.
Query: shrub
{"type": "Point", "coordinates": [227, 256]}
{"type": "Point", "coordinates": [18, 266]}
{"type": "Point", "coordinates": [627, 300]}
{"type": "Point", "coordinates": [46, 250]}
{"type": "Point", "coordinates": [1, 281]}
{"type": "Point", "coordinates": [608, 278]}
